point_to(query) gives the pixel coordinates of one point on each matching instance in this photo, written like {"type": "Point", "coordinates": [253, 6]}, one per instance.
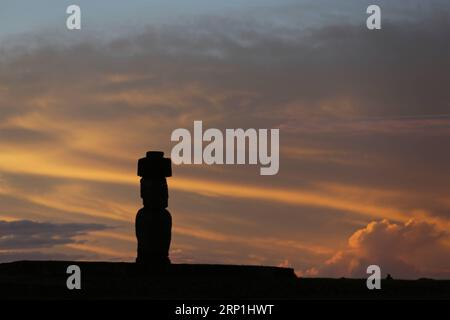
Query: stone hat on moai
{"type": "Point", "coordinates": [154, 165]}
{"type": "Point", "coordinates": [153, 170]}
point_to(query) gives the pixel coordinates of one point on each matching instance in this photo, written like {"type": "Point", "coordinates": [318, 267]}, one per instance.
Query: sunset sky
{"type": "Point", "coordinates": [364, 119]}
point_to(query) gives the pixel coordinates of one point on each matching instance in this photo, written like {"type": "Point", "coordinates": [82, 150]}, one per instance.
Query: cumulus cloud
{"type": "Point", "coordinates": [405, 250]}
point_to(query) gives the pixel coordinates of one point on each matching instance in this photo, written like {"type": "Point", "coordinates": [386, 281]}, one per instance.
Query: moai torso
{"type": "Point", "coordinates": [153, 221]}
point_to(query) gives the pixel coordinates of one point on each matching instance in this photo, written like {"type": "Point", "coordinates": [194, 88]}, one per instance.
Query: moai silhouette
{"type": "Point", "coordinates": [153, 221]}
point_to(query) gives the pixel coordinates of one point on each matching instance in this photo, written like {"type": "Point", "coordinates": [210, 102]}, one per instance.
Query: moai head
{"type": "Point", "coordinates": [153, 170]}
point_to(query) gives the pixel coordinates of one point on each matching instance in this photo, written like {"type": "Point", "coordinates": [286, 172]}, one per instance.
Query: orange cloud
{"type": "Point", "coordinates": [409, 250]}
{"type": "Point", "coordinates": [37, 164]}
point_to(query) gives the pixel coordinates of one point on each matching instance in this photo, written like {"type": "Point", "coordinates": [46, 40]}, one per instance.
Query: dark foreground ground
{"type": "Point", "coordinates": [102, 280]}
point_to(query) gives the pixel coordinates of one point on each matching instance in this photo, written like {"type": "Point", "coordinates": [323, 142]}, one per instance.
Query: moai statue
{"type": "Point", "coordinates": [153, 221]}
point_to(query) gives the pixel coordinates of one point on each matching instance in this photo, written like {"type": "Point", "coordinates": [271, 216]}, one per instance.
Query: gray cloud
{"type": "Point", "coordinates": [397, 71]}
{"type": "Point", "coordinates": [14, 135]}
{"type": "Point", "coordinates": [26, 234]}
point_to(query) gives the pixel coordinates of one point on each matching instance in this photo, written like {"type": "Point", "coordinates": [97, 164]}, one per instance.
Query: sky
{"type": "Point", "coordinates": [364, 119]}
